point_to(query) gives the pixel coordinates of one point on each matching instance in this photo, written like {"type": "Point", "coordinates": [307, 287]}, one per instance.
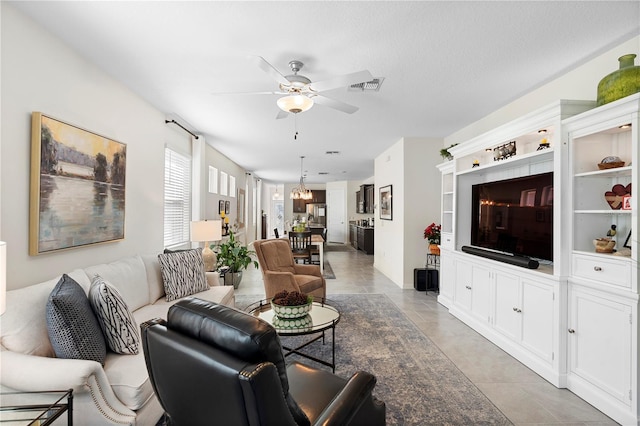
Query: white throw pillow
{"type": "Point", "coordinates": [182, 273]}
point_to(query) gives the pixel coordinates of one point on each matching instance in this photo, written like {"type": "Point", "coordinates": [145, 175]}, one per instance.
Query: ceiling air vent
{"type": "Point", "coordinates": [332, 152]}
{"type": "Point", "coordinates": [373, 85]}
{"type": "Point", "coordinates": [323, 173]}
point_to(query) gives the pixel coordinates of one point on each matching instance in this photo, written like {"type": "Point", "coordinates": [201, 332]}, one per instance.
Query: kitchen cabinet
{"type": "Point", "coordinates": [365, 239]}
{"type": "Point", "coordinates": [319, 196]}
{"type": "Point", "coordinates": [353, 236]}
{"type": "Point", "coordinates": [299, 206]}
{"type": "Point", "coordinates": [369, 199]}
{"type": "Point", "coordinates": [365, 199]}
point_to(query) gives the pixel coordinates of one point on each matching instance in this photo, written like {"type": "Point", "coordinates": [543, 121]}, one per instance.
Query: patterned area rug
{"type": "Point", "coordinates": [329, 247]}
{"type": "Point", "coordinates": [418, 383]}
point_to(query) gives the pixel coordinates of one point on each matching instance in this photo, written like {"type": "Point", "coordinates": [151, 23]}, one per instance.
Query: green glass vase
{"type": "Point", "coordinates": [620, 83]}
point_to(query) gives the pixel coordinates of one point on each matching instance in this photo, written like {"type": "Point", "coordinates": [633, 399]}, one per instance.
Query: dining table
{"type": "Point", "coordinates": [316, 240]}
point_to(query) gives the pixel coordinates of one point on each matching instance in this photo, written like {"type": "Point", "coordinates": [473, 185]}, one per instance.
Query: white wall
{"type": "Point", "coordinates": [578, 84]}
{"type": "Point", "coordinates": [389, 234]}
{"type": "Point", "coordinates": [422, 200]}
{"type": "Point", "coordinates": [39, 73]}
{"type": "Point", "coordinates": [409, 165]}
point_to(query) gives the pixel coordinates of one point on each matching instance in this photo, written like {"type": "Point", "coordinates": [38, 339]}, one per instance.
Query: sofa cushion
{"type": "Point", "coordinates": [223, 295]}
{"type": "Point", "coordinates": [182, 273]}
{"type": "Point", "coordinates": [24, 326]}
{"type": "Point", "coordinates": [73, 328]}
{"type": "Point", "coordinates": [154, 276]}
{"type": "Point", "coordinates": [129, 379]}
{"type": "Point", "coordinates": [129, 276]}
{"type": "Point", "coordinates": [118, 326]}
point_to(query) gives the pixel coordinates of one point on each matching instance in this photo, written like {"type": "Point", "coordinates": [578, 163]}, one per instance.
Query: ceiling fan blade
{"type": "Point", "coordinates": [282, 114]}
{"type": "Point", "coordinates": [333, 103]}
{"type": "Point", "coordinates": [341, 81]}
{"type": "Point", "coordinates": [270, 69]}
{"type": "Point", "coordinates": [249, 93]}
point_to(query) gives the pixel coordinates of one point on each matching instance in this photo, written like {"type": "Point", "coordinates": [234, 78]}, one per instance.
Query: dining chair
{"type": "Point", "coordinates": [300, 246]}
{"type": "Point", "coordinates": [276, 233]}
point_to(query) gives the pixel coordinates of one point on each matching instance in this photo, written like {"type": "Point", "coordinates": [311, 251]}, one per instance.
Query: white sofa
{"type": "Point", "coordinates": [118, 393]}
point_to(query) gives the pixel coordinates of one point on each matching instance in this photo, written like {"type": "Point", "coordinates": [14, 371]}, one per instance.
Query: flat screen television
{"type": "Point", "coordinates": [514, 216]}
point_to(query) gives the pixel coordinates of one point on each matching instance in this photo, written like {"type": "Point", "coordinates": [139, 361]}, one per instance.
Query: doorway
{"type": "Point", "coordinates": [336, 229]}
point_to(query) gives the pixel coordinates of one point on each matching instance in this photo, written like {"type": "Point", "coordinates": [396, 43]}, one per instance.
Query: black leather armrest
{"type": "Point", "coordinates": [349, 400]}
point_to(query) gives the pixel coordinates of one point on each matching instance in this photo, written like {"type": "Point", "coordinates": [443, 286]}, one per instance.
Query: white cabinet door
{"type": "Point", "coordinates": [538, 318]}
{"type": "Point", "coordinates": [481, 293]}
{"type": "Point", "coordinates": [464, 282]}
{"type": "Point", "coordinates": [447, 274]}
{"type": "Point", "coordinates": [507, 318]}
{"type": "Point", "coordinates": [600, 341]}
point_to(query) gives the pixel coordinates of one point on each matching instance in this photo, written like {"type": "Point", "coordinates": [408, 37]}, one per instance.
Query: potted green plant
{"type": "Point", "coordinates": [232, 258]}
{"type": "Point", "coordinates": [445, 154]}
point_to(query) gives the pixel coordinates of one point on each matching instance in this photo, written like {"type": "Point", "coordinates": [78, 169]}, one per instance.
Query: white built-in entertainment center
{"type": "Point", "coordinates": [574, 318]}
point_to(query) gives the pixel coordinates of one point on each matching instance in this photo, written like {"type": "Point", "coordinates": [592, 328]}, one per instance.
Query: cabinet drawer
{"type": "Point", "coordinates": [446, 240]}
{"type": "Point", "coordinates": [610, 271]}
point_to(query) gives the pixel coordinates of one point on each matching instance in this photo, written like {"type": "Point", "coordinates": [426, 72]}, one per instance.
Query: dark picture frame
{"type": "Point", "coordinates": [227, 207]}
{"type": "Point", "coordinates": [386, 202]}
{"type": "Point", "coordinates": [78, 185]}
{"type": "Point", "coordinates": [220, 206]}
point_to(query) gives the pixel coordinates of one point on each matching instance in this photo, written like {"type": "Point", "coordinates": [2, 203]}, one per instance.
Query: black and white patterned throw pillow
{"type": "Point", "coordinates": [182, 273]}
{"type": "Point", "coordinates": [118, 325]}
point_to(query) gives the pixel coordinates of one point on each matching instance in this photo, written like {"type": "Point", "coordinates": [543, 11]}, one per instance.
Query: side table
{"type": "Point", "coordinates": [433, 272]}
{"type": "Point", "coordinates": [35, 408]}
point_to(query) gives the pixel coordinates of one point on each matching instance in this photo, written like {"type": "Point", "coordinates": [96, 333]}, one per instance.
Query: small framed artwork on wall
{"type": "Point", "coordinates": [220, 206]}
{"type": "Point", "coordinates": [227, 207]}
{"type": "Point", "coordinates": [386, 203]}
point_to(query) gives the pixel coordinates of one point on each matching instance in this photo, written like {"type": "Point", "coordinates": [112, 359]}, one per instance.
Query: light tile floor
{"type": "Point", "coordinates": [523, 396]}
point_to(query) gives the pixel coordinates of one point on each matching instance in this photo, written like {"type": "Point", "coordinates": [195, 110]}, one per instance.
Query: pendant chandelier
{"type": "Point", "coordinates": [300, 192]}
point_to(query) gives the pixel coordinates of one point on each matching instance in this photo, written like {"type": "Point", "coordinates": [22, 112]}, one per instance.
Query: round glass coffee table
{"type": "Point", "coordinates": [321, 317]}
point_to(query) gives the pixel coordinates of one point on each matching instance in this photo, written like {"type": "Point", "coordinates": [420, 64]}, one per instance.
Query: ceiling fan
{"type": "Point", "coordinates": [301, 93]}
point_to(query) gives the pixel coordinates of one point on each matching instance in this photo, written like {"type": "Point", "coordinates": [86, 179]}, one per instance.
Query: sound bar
{"type": "Point", "coordinates": [522, 261]}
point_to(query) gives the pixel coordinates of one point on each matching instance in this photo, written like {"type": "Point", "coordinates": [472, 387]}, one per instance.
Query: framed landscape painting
{"type": "Point", "coordinates": [386, 203]}
{"type": "Point", "coordinates": [78, 186]}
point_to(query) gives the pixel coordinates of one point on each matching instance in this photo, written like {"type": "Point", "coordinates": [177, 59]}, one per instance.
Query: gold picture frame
{"type": "Point", "coordinates": [78, 187]}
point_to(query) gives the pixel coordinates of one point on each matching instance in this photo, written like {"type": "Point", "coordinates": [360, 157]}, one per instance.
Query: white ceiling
{"type": "Point", "coordinates": [445, 64]}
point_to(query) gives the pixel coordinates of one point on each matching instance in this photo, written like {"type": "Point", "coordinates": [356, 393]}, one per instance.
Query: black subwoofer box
{"type": "Point", "coordinates": [425, 279]}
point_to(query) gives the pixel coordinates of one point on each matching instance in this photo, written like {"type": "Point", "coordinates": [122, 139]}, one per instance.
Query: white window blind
{"type": "Point", "coordinates": [177, 198]}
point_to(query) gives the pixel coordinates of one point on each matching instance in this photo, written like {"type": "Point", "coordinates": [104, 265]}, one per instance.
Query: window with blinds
{"type": "Point", "coordinates": [177, 198]}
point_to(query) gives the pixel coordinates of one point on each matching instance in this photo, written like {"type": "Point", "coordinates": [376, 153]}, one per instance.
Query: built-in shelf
{"type": "Point", "coordinates": [620, 171]}
{"type": "Point", "coordinates": [513, 161]}
{"type": "Point", "coordinates": [602, 211]}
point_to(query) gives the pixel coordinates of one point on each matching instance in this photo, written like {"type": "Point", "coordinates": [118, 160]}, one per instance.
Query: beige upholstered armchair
{"type": "Point", "coordinates": [280, 272]}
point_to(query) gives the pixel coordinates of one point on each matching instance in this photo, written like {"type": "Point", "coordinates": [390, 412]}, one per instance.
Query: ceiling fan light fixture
{"type": "Point", "coordinates": [295, 103]}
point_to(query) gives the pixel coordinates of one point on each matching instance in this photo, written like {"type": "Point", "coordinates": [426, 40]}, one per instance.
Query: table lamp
{"type": "Point", "coordinates": [3, 277]}
{"type": "Point", "coordinates": [207, 230]}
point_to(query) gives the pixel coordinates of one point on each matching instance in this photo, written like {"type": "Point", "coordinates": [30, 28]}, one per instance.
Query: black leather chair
{"type": "Point", "coordinates": [212, 364]}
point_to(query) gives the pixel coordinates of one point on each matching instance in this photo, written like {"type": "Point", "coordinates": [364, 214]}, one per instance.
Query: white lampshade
{"type": "Point", "coordinates": [3, 277]}
{"type": "Point", "coordinates": [206, 230]}
{"type": "Point", "coordinates": [295, 103]}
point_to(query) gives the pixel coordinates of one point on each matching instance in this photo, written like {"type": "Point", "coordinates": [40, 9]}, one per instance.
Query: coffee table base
{"type": "Point", "coordinates": [332, 364]}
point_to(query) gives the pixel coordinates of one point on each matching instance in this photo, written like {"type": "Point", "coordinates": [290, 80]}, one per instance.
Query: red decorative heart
{"type": "Point", "coordinates": [615, 196]}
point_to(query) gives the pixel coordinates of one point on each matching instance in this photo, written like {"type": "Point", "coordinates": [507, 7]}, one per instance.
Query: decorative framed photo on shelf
{"type": "Point", "coordinates": [78, 183]}
{"type": "Point", "coordinates": [626, 202]}
{"type": "Point", "coordinates": [220, 206]}
{"type": "Point", "coordinates": [227, 207]}
{"type": "Point", "coordinates": [386, 202]}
